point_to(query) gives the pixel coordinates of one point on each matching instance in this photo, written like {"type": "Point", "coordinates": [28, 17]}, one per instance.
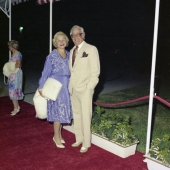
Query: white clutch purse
{"type": "Point", "coordinates": [51, 89]}
{"type": "Point", "coordinates": [40, 104]}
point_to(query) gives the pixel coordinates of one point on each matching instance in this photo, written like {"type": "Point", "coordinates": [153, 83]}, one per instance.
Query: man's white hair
{"type": "Point", "coordinates": [76, 26]}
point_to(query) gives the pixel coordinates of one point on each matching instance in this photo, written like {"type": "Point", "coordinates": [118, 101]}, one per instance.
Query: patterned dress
{"type": "Point", "coordinates": [15, 80]}
{"type": "Point", "coordinates": [57, 67]}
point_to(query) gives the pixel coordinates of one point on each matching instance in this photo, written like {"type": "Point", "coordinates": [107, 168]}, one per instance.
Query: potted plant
{"type": "Point", "coordinates": [159, 154]}
{"type": "Point", "coordinates": [116, 130]}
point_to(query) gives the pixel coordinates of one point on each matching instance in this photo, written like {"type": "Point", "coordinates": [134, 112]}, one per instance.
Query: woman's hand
{"type": "Point", "coordinates": [18, 64]}
{"type": "Point", "coordinates": [40, 91]}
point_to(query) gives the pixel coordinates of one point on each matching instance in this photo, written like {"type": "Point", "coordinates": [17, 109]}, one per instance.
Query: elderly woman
{"type": "Point", "coordinates": [15, 79]}
{"type": "Point", "coordinates": [56, 67]}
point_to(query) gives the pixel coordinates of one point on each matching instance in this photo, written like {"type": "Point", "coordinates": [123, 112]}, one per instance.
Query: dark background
{"type": "Point", "coordinates": [121, 30]}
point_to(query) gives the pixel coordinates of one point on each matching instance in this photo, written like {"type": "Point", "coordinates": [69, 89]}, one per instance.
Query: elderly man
{"type": "Point", "coordinates": [85, 69]}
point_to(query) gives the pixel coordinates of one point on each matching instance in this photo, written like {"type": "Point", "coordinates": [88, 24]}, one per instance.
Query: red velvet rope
{"type": "Point", "coordinates": [131, 101]}
{"type": "Point", "coordinates": [162, 100]}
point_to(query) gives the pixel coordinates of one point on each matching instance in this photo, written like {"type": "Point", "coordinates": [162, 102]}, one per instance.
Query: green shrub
{"type": "Point", "coordinates": [114, 127]}
{"type": "Point", "coordinates": [160, 149]}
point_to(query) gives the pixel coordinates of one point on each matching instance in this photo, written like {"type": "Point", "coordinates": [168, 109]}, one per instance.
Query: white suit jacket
{"type": "Point", "coordinates": [86, 69]}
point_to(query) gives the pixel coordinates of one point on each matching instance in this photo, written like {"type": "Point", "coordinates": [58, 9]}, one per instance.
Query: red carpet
{"type": "Point", "coordinates": [26, 144]}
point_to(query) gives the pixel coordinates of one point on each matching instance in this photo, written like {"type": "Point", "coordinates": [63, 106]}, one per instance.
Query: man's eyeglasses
{"type": "Point", "coordinates": [76, 35]}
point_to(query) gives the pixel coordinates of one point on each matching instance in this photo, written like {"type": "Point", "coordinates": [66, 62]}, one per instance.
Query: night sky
{"type": "Point", "coordinates": [121, 30]}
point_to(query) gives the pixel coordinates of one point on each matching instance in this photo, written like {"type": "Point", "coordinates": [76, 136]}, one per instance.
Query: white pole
{"type": "Point", "coordinates": [50, 26]}
{"type": "Point", "coordinates": [152, 75]}
{"type": "Point", "coordinates": [9, 25]}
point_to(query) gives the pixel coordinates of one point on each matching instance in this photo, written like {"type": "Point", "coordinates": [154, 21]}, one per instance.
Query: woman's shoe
{"type": "Point", "coordinates": [58, 146]}
{"type": "Point", "coordinates": [14, 112]}
{"type": "Point", "coordinates": [62, 141]}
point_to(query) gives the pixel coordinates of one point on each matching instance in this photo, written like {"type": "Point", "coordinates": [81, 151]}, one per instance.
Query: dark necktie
{"type": "Point", "coordinates": [74, 55]}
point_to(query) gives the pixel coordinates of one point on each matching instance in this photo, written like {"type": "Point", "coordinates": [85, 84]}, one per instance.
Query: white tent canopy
{"type": "Point", "coordinates": [5, 6]}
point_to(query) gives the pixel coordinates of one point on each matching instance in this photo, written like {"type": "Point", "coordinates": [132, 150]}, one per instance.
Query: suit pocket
{"type": "Point", "coordinates": [81, 89]}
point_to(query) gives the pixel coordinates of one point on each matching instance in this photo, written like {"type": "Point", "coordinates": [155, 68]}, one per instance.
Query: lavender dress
{"type": "Point", "coordinates": [57, 67]}
{"type": "Point", "coordinates": [15, 81]}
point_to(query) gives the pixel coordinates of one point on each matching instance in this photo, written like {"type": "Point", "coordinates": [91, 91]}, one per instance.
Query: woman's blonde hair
{"type": "Point", "coordinates": [56, 35]}
{"type": "Point", "coordinates": [14, 44]}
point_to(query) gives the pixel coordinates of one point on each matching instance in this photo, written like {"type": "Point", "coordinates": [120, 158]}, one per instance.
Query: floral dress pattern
{"type": "Point", "coordinates": [57, 68]}
{"type": "Point", "coordinates": [15, 81]}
